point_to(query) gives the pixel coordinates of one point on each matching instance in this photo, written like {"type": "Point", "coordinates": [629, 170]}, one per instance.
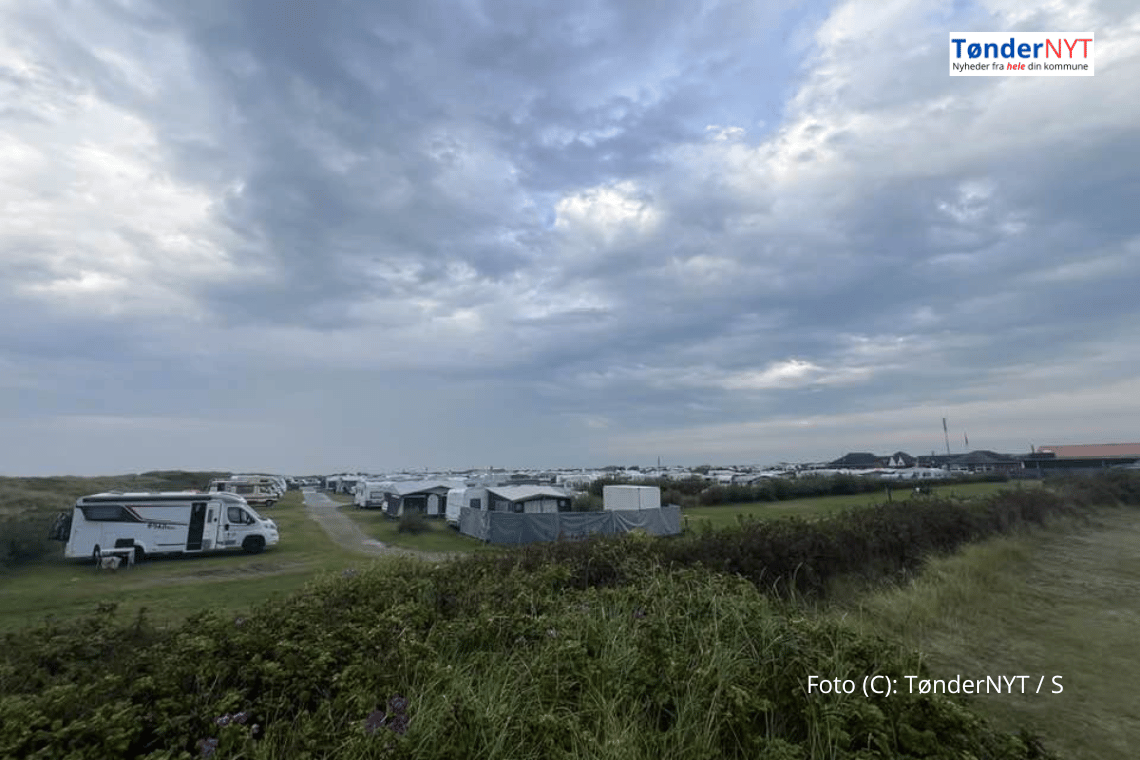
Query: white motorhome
{"type": "Point", "coordinates": [272, 482]}
{"type": "Point", "coordinates": [256, 493]}
{"type": "Point", "coordinates": [185, 522]}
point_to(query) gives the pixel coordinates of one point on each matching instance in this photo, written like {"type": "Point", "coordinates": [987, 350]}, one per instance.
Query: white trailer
{"type": "Point", "coordinates": [371, 494]}
{"type": "Point", "coordinates": [457, 498]}
{"type": "Point", "coordinates": [184, 522]}
{"type": "Point", "coordinates": [631, 497]}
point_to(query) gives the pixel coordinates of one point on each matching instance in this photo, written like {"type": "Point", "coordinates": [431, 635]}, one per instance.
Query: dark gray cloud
{"type": "Point", "coordinates": [544, 233]}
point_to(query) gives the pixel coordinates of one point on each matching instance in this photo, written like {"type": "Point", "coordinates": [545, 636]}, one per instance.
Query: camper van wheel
{"type": "Point", "coordinates": [140, 554]}
{"type": "Point", "coordinates": [253, 544]}
{"type": "Point", "coordinates": [97, 555]}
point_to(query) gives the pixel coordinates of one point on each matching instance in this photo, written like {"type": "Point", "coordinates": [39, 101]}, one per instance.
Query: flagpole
{"type": "Point", "coordinates": [946, 432]}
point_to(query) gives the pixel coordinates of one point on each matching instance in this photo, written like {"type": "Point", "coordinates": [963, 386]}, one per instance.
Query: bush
{"type": "Point", "coordinates": [413, 522]}
{"type": "Point", "coordinates": [475, 658]}
{"type": "Point", "coordinates": [23, 539]}
{"type": "Point", "coordinates": [586, 502]}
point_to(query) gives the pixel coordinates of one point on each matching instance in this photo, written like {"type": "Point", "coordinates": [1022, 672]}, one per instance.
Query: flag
{"type": "Point", "coordinates": [967, 440]}
{"type": "Point", "coordinates": [944, 430]}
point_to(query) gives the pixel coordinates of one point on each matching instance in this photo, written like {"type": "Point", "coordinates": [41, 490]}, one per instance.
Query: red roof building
{"type": "Point", "coordinates": [1093, 451]}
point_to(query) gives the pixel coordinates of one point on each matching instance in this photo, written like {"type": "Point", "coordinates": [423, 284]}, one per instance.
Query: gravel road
{"type": "Point", "coordinates": [348, 534]}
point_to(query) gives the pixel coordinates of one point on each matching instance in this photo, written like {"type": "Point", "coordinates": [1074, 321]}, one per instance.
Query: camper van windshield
{"type": "Point", "coordinates": [241, 516]}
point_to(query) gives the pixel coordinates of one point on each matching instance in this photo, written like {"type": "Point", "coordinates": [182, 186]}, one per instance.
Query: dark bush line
{"type": "Point", "coordinates": [698, 492]}
{"type": "Point", "coordinates": [791, 556]}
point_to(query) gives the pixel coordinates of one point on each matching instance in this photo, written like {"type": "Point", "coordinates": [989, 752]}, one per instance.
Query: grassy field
{"type": "Point", "coordinates": [1055, 602]}
{"type": "Point", "coordinates": [173, 588]}
{"type": "Point", "coordinates": [603, 653]}
{"type": "Point", "coordinates": [722, 516]}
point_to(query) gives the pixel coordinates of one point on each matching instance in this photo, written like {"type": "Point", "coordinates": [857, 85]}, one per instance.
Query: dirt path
{"type": "Point", "coordinates": [348, 534]}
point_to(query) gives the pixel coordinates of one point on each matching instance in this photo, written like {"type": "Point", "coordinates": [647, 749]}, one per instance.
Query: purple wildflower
{"type": "Point", "coordinates": [374, 722]}
{"type": "Point", "coordinates": [399, 724]}
{"type": "Point", "coordinates": [207, 746]}
{"type": "Point", "coordinates": [397, 705]}
{"type": "Point", "coordinates": [224, 720]}
{"type": "Point", "coordinates": [241, 717]}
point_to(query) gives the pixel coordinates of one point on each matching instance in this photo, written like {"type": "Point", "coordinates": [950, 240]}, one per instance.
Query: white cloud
{"type": "Point", "coordinates": [790, 373]}
{"type": "Point", "coordinates": [608, 213]}
{"type": "Point", "coordinates": [94, 201]}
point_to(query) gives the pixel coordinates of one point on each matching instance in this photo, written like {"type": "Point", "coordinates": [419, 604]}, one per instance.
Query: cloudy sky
{"type": "Point", "coordinates": [303, 236]}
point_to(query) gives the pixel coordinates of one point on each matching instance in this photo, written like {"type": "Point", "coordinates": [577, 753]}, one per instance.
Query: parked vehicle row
{"type": "Point", "coordinates": [257, 490]}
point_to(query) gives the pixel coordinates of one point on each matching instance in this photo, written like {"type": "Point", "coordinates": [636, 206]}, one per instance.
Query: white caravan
{"type": "Point", "coordinates": [184, 522]}
{"type": "Point", "coordinates": [457, 498]}
{"type": "Point", "coordinates": [370, 494]}
{"type": "Point", "coordinates": [255, 493]}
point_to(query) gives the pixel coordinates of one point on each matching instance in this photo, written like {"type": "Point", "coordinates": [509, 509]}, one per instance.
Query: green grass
{"type": "Point", "coordinates": [725, 515]}
{"type": "Point", "coordinates": [173, 588]}
{"type": "Point", "coordinates": [490, 661]}
{"type": "Point", "coordinates": [439, 537]}
{"type": "Point", "coordinates": [1055, 602]}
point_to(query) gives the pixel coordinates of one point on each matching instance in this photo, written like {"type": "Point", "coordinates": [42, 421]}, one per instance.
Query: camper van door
{"type": "Point", "coordinates": [197, 526]}
{"type": "Point", "coordinates": [230, 519]}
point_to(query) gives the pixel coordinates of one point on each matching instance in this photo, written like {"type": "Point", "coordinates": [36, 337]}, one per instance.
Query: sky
{"type": "Point", "coordinates": [312, 237]}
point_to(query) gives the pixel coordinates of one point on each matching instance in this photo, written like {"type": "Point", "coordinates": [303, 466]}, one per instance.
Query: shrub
{"type": "Point", "coordinates": [413, 522]}
{"type": "Point", "coordinates": [586, 502]}
{"type": "Point", "coordinates": [682, 663]}
{"type": "Point", "coordinates": [23, 539]}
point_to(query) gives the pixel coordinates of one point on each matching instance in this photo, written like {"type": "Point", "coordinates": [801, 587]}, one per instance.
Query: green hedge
{"type": "Point", "coordinates": [404, 661]}
{"type": "Point", "coordinates": [698, 492]}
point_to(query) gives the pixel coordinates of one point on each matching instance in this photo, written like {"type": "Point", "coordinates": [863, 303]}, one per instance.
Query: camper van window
{"type": "Point", "coordinates": [244, 488]}
{"type": "Point", "coordinates": [236, 515]}
{"type": "Point", "coordinates": [476, 503]}
{"type": "Point", "coordinates": [105, 513]}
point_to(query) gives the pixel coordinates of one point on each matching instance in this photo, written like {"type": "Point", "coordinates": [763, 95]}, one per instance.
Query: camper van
{"type": "Point", "coordinates": [258, 494]}
{"type": "Point", "coordinates": [274, 483]}
{"type": "Point", "coordinates": [183, 522]}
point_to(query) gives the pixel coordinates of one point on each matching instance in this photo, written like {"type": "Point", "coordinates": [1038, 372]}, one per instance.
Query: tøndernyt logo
{"type": "Point", "coordinates": [1023, 54]}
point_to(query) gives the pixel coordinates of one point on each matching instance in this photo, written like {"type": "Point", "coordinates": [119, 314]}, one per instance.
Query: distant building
{"type": "Point", "coordinates": [1054, 460]}
{"type": "Point", "coordinates": [984, 461]}
{"type": "Point", "coordinates": [858, 460]}
{"type": "Point", "coordinates": [901, 459]}
{"type": "Point", "coordinates": [1104, 451]}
